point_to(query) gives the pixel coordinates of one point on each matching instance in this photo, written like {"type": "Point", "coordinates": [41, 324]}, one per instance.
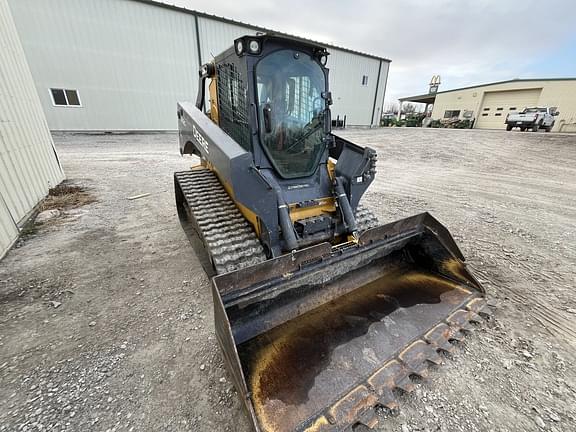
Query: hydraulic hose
{"type": "Point", "coordinates": [286, 224]}
{"type": "Point", "coordinates": [345, 206]}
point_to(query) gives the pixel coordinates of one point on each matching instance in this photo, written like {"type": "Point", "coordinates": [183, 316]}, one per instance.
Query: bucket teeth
{"type": "Point", "coordinates": [481, 307]}
{"type": "Point", "coordinates": [440, 337]}
{"type": "Point", "coordinates": [392, 375]}
{"type": "Point", "coordinates": [417, 356]}
{"type": "Point", "coordinates": [356, 407]}
{"type": "Point", "coordinates": [405, 384]}
{"type": "Point", "coordinates": [474, 317]}
{"type": "Point", "coordinates": [457, 335]}
{"type": "Point", "coordinates": [461, 319]}
{"type": "Point", "coordinates": [380, 389]}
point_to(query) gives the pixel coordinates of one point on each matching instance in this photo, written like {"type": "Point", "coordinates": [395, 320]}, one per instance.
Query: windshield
{"type": "Point", "coordinates": [533, 110]}
{"type": "Point", "coordinates": [291, 111]}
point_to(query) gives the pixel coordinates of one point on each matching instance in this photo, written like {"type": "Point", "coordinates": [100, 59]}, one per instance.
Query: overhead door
{"type": "Point", "coordinates": [496, 105]}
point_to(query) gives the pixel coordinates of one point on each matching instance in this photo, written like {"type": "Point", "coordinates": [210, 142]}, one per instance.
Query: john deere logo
{"type": "Point", "coordinates": [201, 140]}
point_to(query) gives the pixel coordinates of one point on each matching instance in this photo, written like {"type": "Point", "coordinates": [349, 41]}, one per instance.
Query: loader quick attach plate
{"type": "Point", "coordinates": [317, 340]}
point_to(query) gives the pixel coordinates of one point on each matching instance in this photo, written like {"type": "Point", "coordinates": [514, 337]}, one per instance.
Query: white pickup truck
{"type": "Point", "coordinates": [532, 118]}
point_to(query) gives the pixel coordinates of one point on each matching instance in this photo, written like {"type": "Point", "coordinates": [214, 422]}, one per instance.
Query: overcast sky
{"type": "Point", "coordinates": [466, 42]}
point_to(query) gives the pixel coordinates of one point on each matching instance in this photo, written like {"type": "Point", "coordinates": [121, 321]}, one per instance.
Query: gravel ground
{"type": "Point", "coordinates": [106, 317]}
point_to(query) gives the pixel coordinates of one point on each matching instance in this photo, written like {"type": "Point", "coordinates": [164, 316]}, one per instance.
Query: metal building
{"type": "Point", "coordinates": [28, 162]}
{"type": "Point", "coordinates": [489, 103]}
{"type": "Point", "coordinates": [123, 64]}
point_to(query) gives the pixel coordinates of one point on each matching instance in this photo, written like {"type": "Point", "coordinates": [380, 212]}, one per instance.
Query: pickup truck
{"type": "Point", "coordinates": [532, 118]}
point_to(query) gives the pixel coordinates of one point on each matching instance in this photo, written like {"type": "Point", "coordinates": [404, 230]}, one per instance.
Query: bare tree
{"type": "Point", "coordinates": [391, 107]}
{"type": "Point", "coordinates": [408, 108]}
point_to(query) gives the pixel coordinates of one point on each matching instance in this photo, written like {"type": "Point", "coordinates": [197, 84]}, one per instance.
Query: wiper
{"type": "Point", "coordinates": [305, 136]}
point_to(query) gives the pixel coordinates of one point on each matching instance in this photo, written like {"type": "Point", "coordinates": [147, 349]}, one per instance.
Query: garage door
{"type": "Point", "coordinates": [496, 105]}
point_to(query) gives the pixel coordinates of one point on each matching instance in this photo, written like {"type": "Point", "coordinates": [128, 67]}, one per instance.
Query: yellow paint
{"type": "Point", "coordinates": [213, 100]}
{"type": "Point", "coordinates": [318, 425]}
{"type": "Point", "coordinates": [456, 268]}
{"type": "Point", "coordinates": [325, 205]}
{"type": "Point", "coordinates": [331, 168]}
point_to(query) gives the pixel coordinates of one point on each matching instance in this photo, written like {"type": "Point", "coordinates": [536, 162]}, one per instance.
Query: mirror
{"type": "Point", "coordinates": [267, 113]}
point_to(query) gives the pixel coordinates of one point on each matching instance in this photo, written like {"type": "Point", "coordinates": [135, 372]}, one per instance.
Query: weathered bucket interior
{"type": "Point", "coordinates": [306, 338]}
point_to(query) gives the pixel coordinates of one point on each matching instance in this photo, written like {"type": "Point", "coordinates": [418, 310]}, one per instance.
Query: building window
{"type": "Point", "coordinates": [498, 114]}
{"type": "Point", "coordinates": [451, 113]}
{"type": "Point", "coordinates": [513, 108]}
{"type": "Point", "coordinates": [65, 97]}
{"type": "Point", "coordinates": [486, 109]}
{"type": "Point", "coordinates": [499, 109]}
{"type": "Point", "coordinates": [364, 80]}
{"type": "Point", "coordinates": [484, 115]}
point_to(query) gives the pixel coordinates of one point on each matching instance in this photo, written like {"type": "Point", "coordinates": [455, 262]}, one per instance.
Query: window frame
{"type": "Point", "coordinates": [68, 105]}
{"type": "Point", "coordinates": [452, 112]}
{"type": "Point", "coordinates": [256, 94]}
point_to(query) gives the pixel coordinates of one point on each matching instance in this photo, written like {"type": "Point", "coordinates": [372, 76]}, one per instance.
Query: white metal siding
{"type": "Point", "coordinates": [216, 36]}
{"type": "Point", "coordinates": [130, 62]}
{"type": "Point", "coordinates": [28, 162]}
{"type": "Point", "coordinates": [8, 229]}
{"type": "Point", "coordinates": [351, 98]}
{"type": "Point", "coordinates": [381, 93]}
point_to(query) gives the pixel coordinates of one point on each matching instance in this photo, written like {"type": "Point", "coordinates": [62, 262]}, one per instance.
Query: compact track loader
{"type": "Point", "coordinates": [322, 313]}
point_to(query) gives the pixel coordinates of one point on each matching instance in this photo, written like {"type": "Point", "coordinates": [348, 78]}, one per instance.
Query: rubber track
{"type": "Point", "coordinates": [231, 242]}
{"type": "Point", "coordinates": [365, 218]}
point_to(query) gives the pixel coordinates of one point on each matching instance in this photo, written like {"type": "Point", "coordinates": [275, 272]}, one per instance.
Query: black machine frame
{"type": "Point", "coordinates": [244, 166]}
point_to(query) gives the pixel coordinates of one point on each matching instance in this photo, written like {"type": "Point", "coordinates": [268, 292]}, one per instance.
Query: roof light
{"type": "Point", "coordinates": [239, 47]}
{"type": "Point", "coordinates": [254, 46]}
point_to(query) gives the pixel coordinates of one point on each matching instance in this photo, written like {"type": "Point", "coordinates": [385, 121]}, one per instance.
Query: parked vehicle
{"type": "Point", "coordinates": [532, 118]}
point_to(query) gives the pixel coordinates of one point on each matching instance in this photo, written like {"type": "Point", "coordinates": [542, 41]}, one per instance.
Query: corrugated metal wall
{"type": "Point", "coordinates": [28, 162]}
{"type": "Point", "coordinates": [131, 61]}
{"type": "Point", "coordinates": [351, 98]}
{"type": "Point", "coordinates": [216, 36]}
{"type": "Point", "coordinates": [381, 93]}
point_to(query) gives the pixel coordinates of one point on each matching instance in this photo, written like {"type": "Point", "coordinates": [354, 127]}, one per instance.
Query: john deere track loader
{"type": "Point", "coordinates": [322, 314]}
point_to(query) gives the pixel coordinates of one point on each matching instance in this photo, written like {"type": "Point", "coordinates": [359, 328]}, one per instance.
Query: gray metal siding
{"type": "Point", "coordinates": [8, 229]}
{"type": "Point", "coordinates": [351, 98]}
{"type": "Point", "coordinates": [28, 162]}
{"type": "Point", "coordinates": [130, 62]}
{"type": "Point", "coordinates": [381, 93]}
{"type": "Point", "coordinates": [216, 36]}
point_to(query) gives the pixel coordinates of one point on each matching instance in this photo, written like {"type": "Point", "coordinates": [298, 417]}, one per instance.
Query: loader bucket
{"type": "Point", "coordinates": [317, 339]}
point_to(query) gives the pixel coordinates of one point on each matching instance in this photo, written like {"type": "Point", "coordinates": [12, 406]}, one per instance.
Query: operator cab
{"type": "Point", "coordinates": [273, 100]}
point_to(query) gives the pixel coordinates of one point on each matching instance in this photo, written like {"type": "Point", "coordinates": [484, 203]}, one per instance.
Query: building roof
{"type": "Point", "coordinates": [171, 5]}
{"type": "Point", "coordinates": [427, 98]}
{"type": "Point", "coordinates": [420, 98]}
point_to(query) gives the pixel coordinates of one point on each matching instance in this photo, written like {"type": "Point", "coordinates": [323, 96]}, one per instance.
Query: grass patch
{"type": "Point", "coordinates": [66, 196]}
